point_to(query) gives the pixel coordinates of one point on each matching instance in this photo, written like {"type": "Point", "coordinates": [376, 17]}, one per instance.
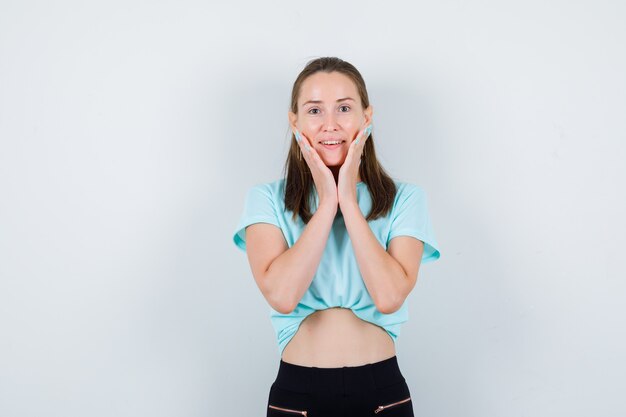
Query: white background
{"type": "Point", "coordinates": [131, 130]}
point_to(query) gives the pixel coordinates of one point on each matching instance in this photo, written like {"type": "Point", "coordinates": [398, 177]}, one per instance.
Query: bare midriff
{"type": "Point", "coordinates": [336, 337]}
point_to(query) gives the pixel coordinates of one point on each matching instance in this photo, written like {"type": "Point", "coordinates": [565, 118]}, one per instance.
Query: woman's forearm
{"type": "Point", "coordinates": [290, 274]}
{"type": "Point", "coordinates": [383, 276]}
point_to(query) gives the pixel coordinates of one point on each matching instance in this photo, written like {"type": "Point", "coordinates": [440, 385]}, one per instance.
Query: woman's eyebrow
{"type": "Point", "coordinates": [319, 101]}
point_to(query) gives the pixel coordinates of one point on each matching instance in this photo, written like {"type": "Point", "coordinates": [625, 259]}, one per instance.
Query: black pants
{"type": "Point", "coordinates": [376, 389]}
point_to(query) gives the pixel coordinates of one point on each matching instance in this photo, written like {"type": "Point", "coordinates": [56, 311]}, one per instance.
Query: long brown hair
{"type": "Point", "coordinates": [298, 179]}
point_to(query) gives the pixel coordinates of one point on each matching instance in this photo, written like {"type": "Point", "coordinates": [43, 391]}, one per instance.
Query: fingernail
{"type": "Point", "coordinates": [297, 136]}
{"type": "Point", "coordinates": [357, 140]}
{"type": "Point", "coordinates": [307, 147]}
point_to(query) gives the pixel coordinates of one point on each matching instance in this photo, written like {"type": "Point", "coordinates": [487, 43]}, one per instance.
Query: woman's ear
{"type": "Point", "coordinates": [368, 114]}
{"type": "Point", "coordinates": [293, 118]}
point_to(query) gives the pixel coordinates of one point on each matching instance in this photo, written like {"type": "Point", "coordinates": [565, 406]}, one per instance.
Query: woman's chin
{"type": "Point", "coordinates": [333, 162]}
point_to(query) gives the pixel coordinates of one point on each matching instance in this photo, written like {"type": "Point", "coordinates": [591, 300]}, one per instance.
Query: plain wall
{"type": "Point", "coordinates": [130, 132]}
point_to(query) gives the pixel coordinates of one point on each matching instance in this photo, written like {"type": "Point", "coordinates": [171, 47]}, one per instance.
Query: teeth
{"type": "Point", "coordinates": [332, 142]}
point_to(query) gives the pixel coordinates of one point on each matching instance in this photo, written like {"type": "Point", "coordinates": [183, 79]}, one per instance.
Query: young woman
{"type": "Point", "coordinates": [335, 248]}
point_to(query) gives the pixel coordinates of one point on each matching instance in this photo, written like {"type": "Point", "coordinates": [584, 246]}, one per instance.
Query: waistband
{"type": "Point", "coordinates": [344, 380]}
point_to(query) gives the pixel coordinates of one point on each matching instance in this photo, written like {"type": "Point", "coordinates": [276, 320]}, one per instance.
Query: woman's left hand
{"type": "Point", "coordinates": [349, 171]}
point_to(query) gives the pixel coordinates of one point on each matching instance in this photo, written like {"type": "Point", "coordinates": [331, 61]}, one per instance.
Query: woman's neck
{"type": "Point", "coordinates": [335, 171]}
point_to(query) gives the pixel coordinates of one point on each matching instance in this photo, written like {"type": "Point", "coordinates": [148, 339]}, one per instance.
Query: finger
{"type": "Point", "coordinates": [310, 154]}
{"type": "Point", "coordinates": [364, 134]}
{"type": "Point", "coordinates": [306, 145]}
{"type": "Point", "coordinates": [303, 142]}
{"type": "Point", "coordinates": [354, 145]}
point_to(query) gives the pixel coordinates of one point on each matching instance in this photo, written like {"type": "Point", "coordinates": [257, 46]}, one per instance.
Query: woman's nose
{"type": "Point", "coordinates": [330, 122]}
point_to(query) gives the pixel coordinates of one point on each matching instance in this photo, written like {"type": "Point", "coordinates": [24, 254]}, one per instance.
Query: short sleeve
{"type": "Point", "coordinates": [411, 218]}
{"type": "Point", "coordinates": [258, 208]}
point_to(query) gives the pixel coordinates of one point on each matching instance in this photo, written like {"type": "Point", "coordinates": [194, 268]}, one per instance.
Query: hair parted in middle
{"type": "Point", "coordinates": [298, 179]}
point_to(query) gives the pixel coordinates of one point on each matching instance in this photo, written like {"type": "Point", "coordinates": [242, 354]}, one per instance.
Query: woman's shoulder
{"type": "Point", "coordinates": [404, 188]}
{"type": "Point", "coordinates": [272, 189]}
{"type": "Point", "coordinates": [269, 185]}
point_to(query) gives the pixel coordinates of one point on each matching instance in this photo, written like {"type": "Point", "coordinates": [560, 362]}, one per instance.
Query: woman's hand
{"type": "Point", "coordinates": [322, 175]}
{"type": "Point", "coordinates": [349, 171]}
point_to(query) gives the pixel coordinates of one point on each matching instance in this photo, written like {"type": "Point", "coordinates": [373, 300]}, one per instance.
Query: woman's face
{"type": "Point", "coordinates": [329, 109]}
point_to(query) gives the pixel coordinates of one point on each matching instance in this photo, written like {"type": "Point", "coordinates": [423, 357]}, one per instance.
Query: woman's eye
{"type": "Point", "coordinates": [315, 110]}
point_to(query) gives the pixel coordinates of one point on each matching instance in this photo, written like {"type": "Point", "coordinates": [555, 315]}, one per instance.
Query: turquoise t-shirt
{"type": "Point", "coordinates": [338, 281]}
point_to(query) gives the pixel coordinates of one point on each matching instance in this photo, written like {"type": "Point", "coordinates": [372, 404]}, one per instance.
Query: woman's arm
{"type": "Point", "coordinates": [388, 275]}
{"type": "Point", "coordinates": [284, 274]}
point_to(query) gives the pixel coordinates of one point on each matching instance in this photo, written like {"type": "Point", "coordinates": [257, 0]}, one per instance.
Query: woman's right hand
{"type": "Point", "coordinates": [323, 177]}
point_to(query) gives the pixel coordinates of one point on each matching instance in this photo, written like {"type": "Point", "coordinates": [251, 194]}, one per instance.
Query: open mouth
{"type": "Point", "coordinates": [332, 144]}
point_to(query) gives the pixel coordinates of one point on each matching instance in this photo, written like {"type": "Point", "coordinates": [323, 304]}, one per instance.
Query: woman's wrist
{"type": "Point", "coordinates": [328, 206]}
